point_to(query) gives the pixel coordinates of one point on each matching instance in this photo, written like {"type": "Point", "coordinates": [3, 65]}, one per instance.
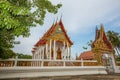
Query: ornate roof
{"type": "Point", "coordinates": [101, 40]}
{"type": "Point", "coordinates": [49, 33]}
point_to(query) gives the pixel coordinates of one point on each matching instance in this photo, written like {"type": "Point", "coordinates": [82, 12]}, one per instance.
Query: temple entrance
{"type": "Point", "coordinates": [108, 62]}
{"type": "Point", "coordinates": [59, 54]}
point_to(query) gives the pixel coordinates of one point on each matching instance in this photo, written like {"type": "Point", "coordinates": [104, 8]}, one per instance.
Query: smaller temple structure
{"type": "Point", "coordinates": [54, 45]}
{"type": "Point", "coordinates": [100, 48]}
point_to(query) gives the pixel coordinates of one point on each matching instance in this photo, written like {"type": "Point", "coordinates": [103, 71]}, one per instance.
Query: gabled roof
{"type": "Point", "coordinates": [101, 34]}
{"type": "Point", "coordinates": [63, 29]}
{"type": "Point", "coordinates": [87, 55]}
{"type": "Point", "coordinates": [50, 31]}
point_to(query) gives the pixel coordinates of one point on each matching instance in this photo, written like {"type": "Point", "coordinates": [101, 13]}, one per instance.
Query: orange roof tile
{"type": "Point", "coordinates": [88, 55]}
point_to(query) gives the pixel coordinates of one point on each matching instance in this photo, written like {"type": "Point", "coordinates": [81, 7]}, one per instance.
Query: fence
{"type": "Point", "coordinates": [45, 62]}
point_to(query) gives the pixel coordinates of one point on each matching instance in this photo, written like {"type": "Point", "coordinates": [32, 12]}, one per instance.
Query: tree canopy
{"type": "Point", "coordinates": [17, 17]}
{"type": "Point", "coordinates": [23, 56]}
{"type": "Point", "coordinates": [114, 38]}
{"type": "Point", "coordinates": [6, 43]}
{"type": "Point", "coordinates": [20, 15]}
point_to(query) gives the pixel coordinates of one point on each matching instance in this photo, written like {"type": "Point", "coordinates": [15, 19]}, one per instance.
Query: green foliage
{"type": "Point", "coordinates": [17, 14]}
{"type": "Point", "coordinates": [24, 56]}
{"type": "Point", "coordinates": [114, 38]}
{"type": "Point", "coordinates": [6, 54]}
{"type": "Point", "coordinates": [85, 48]}
{"type": "Point", "coordinates": [17, 17]}
{"type": "Point", "coordinates": [88, 45]}
{"type": "Point", "coordinates": [7, 39]}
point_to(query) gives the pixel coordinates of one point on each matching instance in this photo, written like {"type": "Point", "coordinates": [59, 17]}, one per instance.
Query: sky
{"type": "Point", "coordinates": [80, 18]}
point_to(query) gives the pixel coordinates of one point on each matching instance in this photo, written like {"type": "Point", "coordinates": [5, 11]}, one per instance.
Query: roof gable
{"type": "Point", "coordinates": [101, 37]}
{"type": "Point", "coordinates": [57, 27]}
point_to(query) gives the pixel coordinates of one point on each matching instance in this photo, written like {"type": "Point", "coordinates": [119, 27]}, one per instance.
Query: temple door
{"type": "Point", "coordinates": [52, 54]}
{"type": "Point", "coordinates": [59, 54]}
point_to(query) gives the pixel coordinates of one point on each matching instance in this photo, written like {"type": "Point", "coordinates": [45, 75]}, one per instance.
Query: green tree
{"type": "Point", "coordinates": [85, 48]}
{"type": "Point", "coordinates": [20, 15]}
{"type": "Point", "coordinates": [24, 56]}
{"type": "Point", "coordinates": [88, 45]}
{"type": "Point", "coordinates": [17, 17]}
{"type": "Point", "coordinates": [6, 43]}
{"type": "Point", "coordinates": [114, 38]}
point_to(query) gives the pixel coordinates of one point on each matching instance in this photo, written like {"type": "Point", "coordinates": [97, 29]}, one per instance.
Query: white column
{"type": "Point", "coordinates": [43, 52]}
{"type": "Point", "coordinates": [46, 52]}
{"type": "Point", "coordinates": [50, 47]}
{"type": "Point", "coordinates": [67, 51]}
{"type": "Point", "coordinates": [70, 52]}
{"type": "Point", "coordinates": [54, 50]}
{"type": "Point", "coordinates": [82, 63]}
{"type": "Point", "coordinates": [35, 55]}
{"type": "Point", "coordinates": [64, 51]}
{"type": "Point", "coordinates": [39, 53]}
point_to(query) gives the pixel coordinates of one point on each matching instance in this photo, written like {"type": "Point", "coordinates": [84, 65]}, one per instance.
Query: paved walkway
{"type": "Point", "coordinates": [81, 77]}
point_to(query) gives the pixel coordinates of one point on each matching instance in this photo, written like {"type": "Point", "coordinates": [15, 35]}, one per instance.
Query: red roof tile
{"type": "Point", "coordinates": [88, 55]}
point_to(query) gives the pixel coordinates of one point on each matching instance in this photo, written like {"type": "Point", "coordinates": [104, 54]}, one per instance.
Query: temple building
{"type": "Point", "coordinates": [101, 47]}
{"type": "Point", "coordinates": [54, 45]}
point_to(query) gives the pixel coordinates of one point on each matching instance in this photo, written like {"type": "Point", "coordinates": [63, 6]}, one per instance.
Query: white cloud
{"type": "Point", "coordinates": [80, 15]}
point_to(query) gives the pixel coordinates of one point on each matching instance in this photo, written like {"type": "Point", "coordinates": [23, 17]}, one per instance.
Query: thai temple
{"type": "Point", "coordinates": [54, 45]}
{"type": "Point", "coordinates": [101, 47]}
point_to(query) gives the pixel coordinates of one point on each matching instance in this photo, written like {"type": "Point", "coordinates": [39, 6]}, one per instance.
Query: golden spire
{"type": "Point", "coordinates": [101, 30]}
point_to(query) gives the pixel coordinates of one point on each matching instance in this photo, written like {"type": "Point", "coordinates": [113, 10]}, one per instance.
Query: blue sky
{"type": "Point", "coordinates": [80, 18]}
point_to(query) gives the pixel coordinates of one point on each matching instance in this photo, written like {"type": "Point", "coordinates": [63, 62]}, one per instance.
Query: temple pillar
{"type": "Point", "coordinates": [35, 55]}
{"type": "Point", "coordinates": [50, 48]}
{"type": "Point", "coordinates": [43, 52]}
{"type": "Point", "coordinates": [54, 50]}
{"type": "Point", "coordinates": [67, 51]}
{"type": "Point", "coordinates": [40, 52]}
{"type": "Point", "coordinates": [70, 53]}
{"type": "Point", "coordinates": [64, 50]}
{"type": "Point", "coordinates": [46, 51]}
